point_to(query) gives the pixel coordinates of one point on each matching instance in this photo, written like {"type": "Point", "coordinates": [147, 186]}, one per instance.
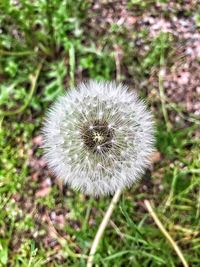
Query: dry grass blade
{"type": "Point", "coordinates": [165, 233]}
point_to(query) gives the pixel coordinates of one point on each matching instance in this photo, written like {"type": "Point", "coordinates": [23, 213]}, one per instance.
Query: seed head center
{"type": "Point", "coordinates": [98, 136]}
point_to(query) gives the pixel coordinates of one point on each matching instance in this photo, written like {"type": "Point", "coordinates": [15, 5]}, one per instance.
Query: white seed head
{"type": "Point", "coordinates": [98, 137]}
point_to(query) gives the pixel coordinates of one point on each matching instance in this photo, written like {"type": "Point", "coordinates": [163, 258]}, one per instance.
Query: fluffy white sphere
{"type": "Point", "coordinates": [98, 137]}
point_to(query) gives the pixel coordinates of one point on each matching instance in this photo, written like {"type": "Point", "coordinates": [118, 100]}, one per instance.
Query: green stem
{"type": "Point", "coordinates": [16, 53]}
{"type": "Point", "coordinates": [172, 191]}
{"type": "Point", "coordinates": [161, 90]}
{"type": "Point", "coordinates": [72, 64]}
{"type": "Point", "coordinates": [33, 80]}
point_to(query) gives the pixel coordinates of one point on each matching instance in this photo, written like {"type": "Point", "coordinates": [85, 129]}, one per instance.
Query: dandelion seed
{"type": "Point", "coordinates": [98, 137]}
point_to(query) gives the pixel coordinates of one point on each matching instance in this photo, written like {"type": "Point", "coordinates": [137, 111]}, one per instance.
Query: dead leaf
{"type": "Point", "coordinates": [43, 192]}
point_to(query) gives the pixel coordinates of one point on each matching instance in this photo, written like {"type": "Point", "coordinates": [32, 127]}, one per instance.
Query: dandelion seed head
{"type": "Point", "coordinates": [98, 137]}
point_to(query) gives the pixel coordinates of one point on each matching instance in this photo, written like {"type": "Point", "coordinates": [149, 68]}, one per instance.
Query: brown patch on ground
{"type": "Point", "coordinates": [181, 80]}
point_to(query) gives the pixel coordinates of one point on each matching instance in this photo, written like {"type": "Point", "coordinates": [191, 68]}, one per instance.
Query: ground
{"type": "Point", "coordinates": [47, 47]}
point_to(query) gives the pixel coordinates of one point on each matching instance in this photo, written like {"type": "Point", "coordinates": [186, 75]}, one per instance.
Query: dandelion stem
{"type": "Point", "coordinates": [102, 227]}
{"type": "Point", "coordinates": [165, 233]}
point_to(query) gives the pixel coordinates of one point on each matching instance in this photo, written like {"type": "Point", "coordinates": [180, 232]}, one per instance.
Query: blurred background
{"type": "Point", "coordinates": [47, 47]}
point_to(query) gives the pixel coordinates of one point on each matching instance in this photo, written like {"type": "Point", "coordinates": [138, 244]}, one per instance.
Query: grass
{"type": "Point", "coordinates": [46, 47]}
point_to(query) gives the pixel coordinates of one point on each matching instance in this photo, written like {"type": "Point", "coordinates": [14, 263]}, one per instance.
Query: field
{"type": "Point", "coordinates": [46, 47]}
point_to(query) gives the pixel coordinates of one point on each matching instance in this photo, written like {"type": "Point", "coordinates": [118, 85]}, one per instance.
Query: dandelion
{"type": "Point", "coordinates": [98, 137]}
